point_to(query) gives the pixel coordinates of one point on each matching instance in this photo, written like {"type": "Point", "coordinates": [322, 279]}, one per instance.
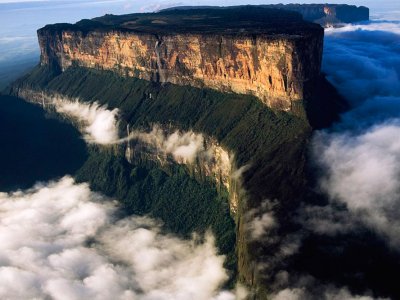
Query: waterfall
{"type": "Point", "coordinates": [160, 70]}
{"type": "Point", "coordinates": [43, 100]}
{"type": "Point", "coordinates": [128, 145]}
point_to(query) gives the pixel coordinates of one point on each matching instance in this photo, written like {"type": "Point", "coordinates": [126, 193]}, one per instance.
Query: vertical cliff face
{"type": "Point", "coordinates": [272, 67]}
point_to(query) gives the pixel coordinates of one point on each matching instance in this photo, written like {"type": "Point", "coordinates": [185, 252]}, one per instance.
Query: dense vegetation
{"type": "Point", "coordinates": [183, 204]}
{"type": "Point", "coordinates": [271, 143]}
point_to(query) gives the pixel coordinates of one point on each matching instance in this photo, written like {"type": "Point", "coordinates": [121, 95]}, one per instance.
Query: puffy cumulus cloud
{"type": "Point", "coordinates": [99, 124]}
{"type": "Point", "coordinates": [363, 172]}
{"type": "Point", "coordinates": [183, 146]}
{"type": "Point", "coordinates": [261, 224]}
{"type": "Point", "coordinates": [362, 169]}
{"type": "Point", "coordinates": [62, 241]}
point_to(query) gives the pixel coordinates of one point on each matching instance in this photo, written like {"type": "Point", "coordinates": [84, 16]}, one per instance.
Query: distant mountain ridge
{"type": "Point", "coordinates": [326, 15]}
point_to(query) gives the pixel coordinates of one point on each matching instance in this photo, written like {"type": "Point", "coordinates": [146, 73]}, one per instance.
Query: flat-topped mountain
{"type": "Point", "coordinates": [199, 70]}
{"type": "Point", "coordinates": [269, 53]}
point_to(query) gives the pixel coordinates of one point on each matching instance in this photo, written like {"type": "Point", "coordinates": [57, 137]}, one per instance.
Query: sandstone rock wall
{"type": "Point", "coordinates": [274, 68]}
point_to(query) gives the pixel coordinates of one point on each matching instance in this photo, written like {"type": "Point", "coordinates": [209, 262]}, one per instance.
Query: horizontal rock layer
{"type": "Point", "coordinates": [274, 68]}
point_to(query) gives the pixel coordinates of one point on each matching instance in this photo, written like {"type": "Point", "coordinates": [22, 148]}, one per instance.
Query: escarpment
{"type": "Point", "coordinates": [200, 70]}
{"type": "Point", "coordinates": [277, 61]}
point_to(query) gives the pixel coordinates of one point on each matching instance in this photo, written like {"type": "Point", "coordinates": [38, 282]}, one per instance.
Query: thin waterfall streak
{"type": "Point", "coordinates": [160, 70]}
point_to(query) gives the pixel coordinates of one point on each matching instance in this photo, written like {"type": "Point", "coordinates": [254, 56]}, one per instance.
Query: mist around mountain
{"type": "Point", "coordinates": [59, 231]}
{"type": "Point", "coordinates": [357, 159]}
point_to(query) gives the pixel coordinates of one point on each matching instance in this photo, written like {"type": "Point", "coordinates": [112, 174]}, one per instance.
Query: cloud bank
{"type": "Point", "coordinates": [325, 292]}
{"type": "Point", "coordinates": [358, 168]}
{"type": "Point", "coordinates": [98, 124]}
{"type": "Point", "coordinates": [363, 171]}
{"type": "Point", "coordinates": [61, 241]}
{"type": "Point", "coordinates": [360, 156]}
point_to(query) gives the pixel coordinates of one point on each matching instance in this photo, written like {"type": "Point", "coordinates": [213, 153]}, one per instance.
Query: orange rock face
{"type": "Point", "coordinates": [274, 68]}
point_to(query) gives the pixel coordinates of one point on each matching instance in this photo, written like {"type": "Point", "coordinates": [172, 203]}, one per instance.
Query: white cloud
{"type": "Point", "coordinates": [308, 287]}
{"type": "Point", "coordinates": [61, 241]}
{"type": "Point", "coordinates": [362, 171]}
{"type": "Point", "coordinates": [261, 220]}
{"type": "Point", "coordinates": [186, 147]}
{"type": "Point", "coordinates": [358, 160]}
{"type": "Point", "coordinates": [382, 25]}
{"type": "Point", "coordinates": [328, 294]}
{"type": "Point", "coordinates": [363, 63]}
{"type": "Point", "coordinates": [183, 146]}
{"type": "Point", "coordinates": [98, 124]}
{"type": "Point", "coordinates": [289, 294]}
{"type": "Point", "coordinates": [359, 156]}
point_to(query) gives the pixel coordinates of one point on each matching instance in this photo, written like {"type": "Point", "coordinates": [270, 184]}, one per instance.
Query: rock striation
{"type": "Point", "coordinates": [269, 53]}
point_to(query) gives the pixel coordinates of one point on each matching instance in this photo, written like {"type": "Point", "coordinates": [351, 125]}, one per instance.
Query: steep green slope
{"type": "Point", "coordinates": [272, 144]}
{"type": "Point", "coordinates": [183, 204]}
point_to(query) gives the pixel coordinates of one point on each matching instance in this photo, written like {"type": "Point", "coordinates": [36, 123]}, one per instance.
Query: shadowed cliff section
{"type": "Point", "coordinates": [268, 53]}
